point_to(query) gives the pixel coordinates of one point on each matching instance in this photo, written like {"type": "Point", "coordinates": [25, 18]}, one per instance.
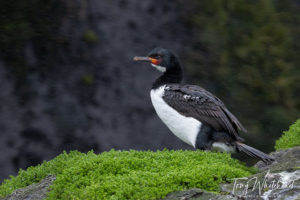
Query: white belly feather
{"type": "Point", "coordinates": [185, 128]}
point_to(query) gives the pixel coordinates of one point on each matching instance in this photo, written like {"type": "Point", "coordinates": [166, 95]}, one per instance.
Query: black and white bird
{"type": "Point", "coordinates": [193, 114]}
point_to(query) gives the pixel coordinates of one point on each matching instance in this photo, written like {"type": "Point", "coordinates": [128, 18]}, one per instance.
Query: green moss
{"type": "Point", "coordinates": [290, 138]}
{"type": "Point", "coordinates": [87, 79]}
{"type": "Point", "coordinates": [90, 37]}
{"type": "Point", "coordinates": [130, 174]}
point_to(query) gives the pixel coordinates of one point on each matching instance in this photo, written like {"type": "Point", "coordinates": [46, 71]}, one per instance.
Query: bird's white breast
{"type": "Point", "coordinates": [185, 128]}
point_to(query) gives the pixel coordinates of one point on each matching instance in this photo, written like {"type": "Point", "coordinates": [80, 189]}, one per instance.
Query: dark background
{"type": "Point", "coordinates": [67, 79]}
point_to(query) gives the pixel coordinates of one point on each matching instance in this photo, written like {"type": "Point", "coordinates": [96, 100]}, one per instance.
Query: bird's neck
{"type": "Point", "coordinates": [174, 75]}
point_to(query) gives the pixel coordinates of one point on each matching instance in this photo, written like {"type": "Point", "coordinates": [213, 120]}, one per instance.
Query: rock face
{"type": "Point", "coordinates": [284, 160]}
{"type": "Point", "coordinates": [197, 194]}
{"type": "Point", "coordinates": [81, 89]}
{"type": "Point", "coordinates": [33, 192]}
{"type": "Point", "coordinates": [277, 181]}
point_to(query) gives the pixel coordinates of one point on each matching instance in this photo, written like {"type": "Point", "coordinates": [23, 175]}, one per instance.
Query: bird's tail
{"type": "Point", "coordinates": [254, 152]}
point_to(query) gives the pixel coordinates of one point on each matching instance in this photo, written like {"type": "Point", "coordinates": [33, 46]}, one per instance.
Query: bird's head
{"type": "Point", "coordinates": [160, 58]}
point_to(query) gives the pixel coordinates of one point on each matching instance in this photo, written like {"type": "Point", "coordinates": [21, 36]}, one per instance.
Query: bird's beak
{"type": "Point", "coordinates": [146, 59]}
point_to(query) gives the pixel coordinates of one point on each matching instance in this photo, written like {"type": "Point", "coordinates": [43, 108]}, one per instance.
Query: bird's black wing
{"type": "Point", "coordinates": [194, 101]}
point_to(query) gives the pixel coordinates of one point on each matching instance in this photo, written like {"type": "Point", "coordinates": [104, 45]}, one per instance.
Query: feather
{"type": "Point", "coordinates": [194, 101]}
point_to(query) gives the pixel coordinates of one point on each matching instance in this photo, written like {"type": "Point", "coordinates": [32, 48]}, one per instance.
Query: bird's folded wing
{"type": "Point", "coordinates": [194, 101]}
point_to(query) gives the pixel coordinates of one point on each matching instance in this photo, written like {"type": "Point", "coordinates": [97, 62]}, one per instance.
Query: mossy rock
{"type": "Point", "coordinates": [90, 37]}
{"type": "Point", "coordinates": [36, 191]}
{"type": "Point", "coordinates": [290, 138]}
{"type": "Point", "coordinates": [88, 79]}
{"type": "Point", "coordinates": [130, 174]}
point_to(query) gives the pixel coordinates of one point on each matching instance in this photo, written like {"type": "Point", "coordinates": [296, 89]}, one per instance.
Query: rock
{"type": "Point", "coordinates": [277, 180]}
{"type": "Point", "coordinates": [266, 185]}
{"type": "Point", "coordinates": [194, 194]}
{"type": "Point", "coordinates": [284, 160]}
{"type": "Point", "coordinates": [35, 191]}
{"type": "Point", "coordinates": [63, 102]}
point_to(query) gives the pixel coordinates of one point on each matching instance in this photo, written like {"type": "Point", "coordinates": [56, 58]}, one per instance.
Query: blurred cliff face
{"type": "Point", "coordinates": [68, 81]}
{"type": "Point", "coordinates": [248, 54]}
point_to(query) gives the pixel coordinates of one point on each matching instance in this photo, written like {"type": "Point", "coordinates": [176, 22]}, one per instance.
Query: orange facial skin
{"type": "Point", "coordinates": [154, 61]}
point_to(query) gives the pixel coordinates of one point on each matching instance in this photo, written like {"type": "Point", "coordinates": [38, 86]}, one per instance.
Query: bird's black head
{"type": "Point", "coordinates": [162, 59]}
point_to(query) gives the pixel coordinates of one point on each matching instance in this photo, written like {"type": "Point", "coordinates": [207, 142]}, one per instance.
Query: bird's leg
{"type": "Point", "coordinates": [204, 138]}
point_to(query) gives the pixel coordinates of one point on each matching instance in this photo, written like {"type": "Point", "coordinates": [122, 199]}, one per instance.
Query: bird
{"type": "Point", "coordinates": [193, 114]}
